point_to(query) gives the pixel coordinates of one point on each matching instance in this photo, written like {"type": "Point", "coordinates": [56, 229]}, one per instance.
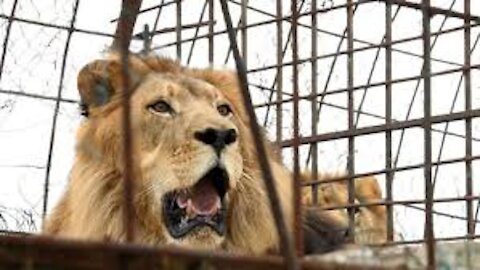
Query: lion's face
{"type": "Point", "coordinates": [189, 142]}
{"type": "Point", "coordinates": [187, 148]}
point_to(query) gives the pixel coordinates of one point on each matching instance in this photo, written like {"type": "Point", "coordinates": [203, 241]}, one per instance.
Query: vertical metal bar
{"type": "Point", "coordinates": [429, 233]}
{"type": "Point", "coordinates": [468, 121]}
{"type": "Point", "coordinates": [124, 31]}
{"type": "Point", "coordinates": [211, 19]}
{"type": "Point", "coordinates": [7, 36]}
{"type": "Point", "coordinates": [297, 186]}
{"type": "Point", "coordinates": [243, 27]}
{"type": "Point", "coordinates": [351, 139]}
{"type": "Point", "coordinates": [388, 116]}
{"type": "Point", "coordinates": [56, 110]}
{"type": "Point", "coordinates": [314, 101]}
{"type": "Point", "coordinates": [279, 77]}
{"type": "Point", "coordinates": [286, 247]}
{"type": "Point", "coordinates": [178, 29]}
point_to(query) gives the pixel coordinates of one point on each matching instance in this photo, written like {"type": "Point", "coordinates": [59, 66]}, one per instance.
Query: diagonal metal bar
{"type": "Point", "coordinates": [287, 248]}
{"type": "Point", "coordinates": [7, 37]}
{"type": "Point", "coordinates": [53, 131]}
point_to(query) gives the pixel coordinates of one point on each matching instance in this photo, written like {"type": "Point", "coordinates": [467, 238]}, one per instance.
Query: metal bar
{"type": "Point", "coordinates": [179, 29]}
{"type": "Point", "coordinates": [7, 37]}
{"type": "Point", "coordinates": [126, 23]}
{"type": "Point", "coordinates": [351, 126]}
{"type": "Point", "coordinates": [396, 202]}
{"type": "Point", "coordinates": [393, 169]}
{"type": "Point", "coordinates": [435, 10]}
{"type": "Point", "coordinates": [279, 73]}
{"type": "Point", "coordinates": [157, 18]}
{"type": "Point", "coordinates": [124, 31]}
{"type": "Point", "coordinates": [468, 122]}
{"type": "Point", "coordinates": [377, 46]}
{"type": "Point", "coordinates": [297, 193]}
{"type": "Point", "coordinates": [173, 29]}
{"type": "Point", "coordinates": [46, 185]}
{"type": "Point", "coordinates": [427, 126]}
{"type": "Point", "coordinates": [355, 39]}
{"type": "Point", "coordinates": [29, 95]}
{"type": "Point", "coordinates": [388, 116]}
{"type": "Point", "coordinates": [314, 107]}
{"type": "Point", "coordinates": [51, 25]}
{"type": "Point", "coordinates": [160, 6]}
{"type": "Point", "coordinates": [197, 30]}
{"type": "Point", "coordinates": [211, 18]}
{"type": "Point", "coordinates": [383, 128]}
{"type": "Point", "coordinates": [243, 23]}
{"type": "Point", "coordinates": [287, 248]}
{"type": "Point", "coordinates": [359, 87]}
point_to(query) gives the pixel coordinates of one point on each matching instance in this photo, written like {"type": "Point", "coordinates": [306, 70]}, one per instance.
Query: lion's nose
{"type": "Point", "coordinates": [217, 138]}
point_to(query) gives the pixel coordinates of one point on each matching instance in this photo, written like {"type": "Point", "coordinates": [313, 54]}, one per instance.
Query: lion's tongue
{"type": "Point", "coordinates": [203, 200]}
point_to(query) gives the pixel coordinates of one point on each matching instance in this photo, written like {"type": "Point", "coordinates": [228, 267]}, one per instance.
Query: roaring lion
{"type": "Point", "coordinates": [197, 180]}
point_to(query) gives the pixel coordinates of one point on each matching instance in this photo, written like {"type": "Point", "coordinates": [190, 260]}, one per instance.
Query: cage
{"type": "Point", "coordinates": [370, 88]}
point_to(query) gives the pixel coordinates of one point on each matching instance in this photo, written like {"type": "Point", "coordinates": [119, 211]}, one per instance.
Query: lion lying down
{"type": "Point", "coordinates": [198, 183]}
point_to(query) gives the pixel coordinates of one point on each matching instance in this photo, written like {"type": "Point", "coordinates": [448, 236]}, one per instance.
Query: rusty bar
{"type": "Point", "coordinates": [421, 241]}
{"type": "Point", "coordinates": [388, 115]}
{"type": "Point", "coordinates": [55, 26]}
{"type": "Point", "coordinates": [468, 122]}
{"type": "Point", "coordinates": [178, 28]}
{"type": "Point", "coordinates": [279, 77]}
{"type": "Point", "coordinates": [197, 30]}
{"type": "Point", "coordinates": [341, 36]}
{"type": "Point", "coordinates": [365, 48]}
{"type": "Point", "coordinates": [382, 128]}
{"type": "Point", "coordinates": [394, 169]}
{"type": "Point", "coordinates": [297, 192]}
{"type": "Point", "coordinates": [7, 37]}
{"type": "Point", "coordinates": [427, 126]}
{"type": "Point", "coordinates": [173, 29]}
{"type": "Point", "coordinates": [314, 107]}
{"type": "Point", "coordinates": [101, 255]}
{"type": "Point", "coordinates": [435, 10]}
{"type": "Point", "coordinates": [395, 202]}
{"type": "Point", "coordinates": [351, 125]}
{"type": "Point", "coordinates": [46, 185]}
{"type": "Point", "coordinates": [211, 18]}
{"type": "Point", "coordinates": [159, 6]}
{"type": "Point", "coordinates": [124, 31]}
{"type": "Point", "coordinates": [243, 29]}
{"type": "Point", "coordinates": [286, 246]}
{"type": "Point", "coordinates": [126, 23]}
{"type": "Point", "coordinates": [359, 87]}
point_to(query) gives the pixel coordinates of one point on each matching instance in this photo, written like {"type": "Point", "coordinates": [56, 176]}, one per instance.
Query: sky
{"type": "Point", "coordinates": [33, 65]}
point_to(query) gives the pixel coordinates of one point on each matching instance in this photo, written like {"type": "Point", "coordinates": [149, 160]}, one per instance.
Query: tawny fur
{"type": "Point", "coordinates": [91, 207]}
{"type": "Point", "coordinates": [370, 221]}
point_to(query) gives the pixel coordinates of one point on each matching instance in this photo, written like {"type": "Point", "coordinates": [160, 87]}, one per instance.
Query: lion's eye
{"type": "Point", "coordinates": [161, 107]}
{"type": "Point", "coordinates": [224, 109]}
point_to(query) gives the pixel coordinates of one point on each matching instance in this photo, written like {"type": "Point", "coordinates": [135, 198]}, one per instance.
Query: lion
{"type": "Point", "coordinates": [196, 176]}
{"type": "Point", "coordinates": [370, 221]}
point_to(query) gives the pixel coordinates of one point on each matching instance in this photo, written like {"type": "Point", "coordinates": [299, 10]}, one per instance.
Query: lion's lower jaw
{"type": "Point", "coordinates": [202, 238]}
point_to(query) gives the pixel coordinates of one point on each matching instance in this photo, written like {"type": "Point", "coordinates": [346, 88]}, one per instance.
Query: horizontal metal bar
{"type": "Point", "coordinates": [397, 169]}
{"type": "Point", "coordinates": [44, 97]}
{"type": "Point", "coordinates": [394, 202]}
{"type": "Point", "coordinates": [370, 85]}
{"type": "Point", "coordinates": [56, 26]}
{"type": "Point", "coordinates": [173, 29]}
{"type": "Point", "coordinates": [382, 128]}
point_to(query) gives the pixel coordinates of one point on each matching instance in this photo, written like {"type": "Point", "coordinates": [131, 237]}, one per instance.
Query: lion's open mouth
{"type": "Point", "coordinates": [199, 205]}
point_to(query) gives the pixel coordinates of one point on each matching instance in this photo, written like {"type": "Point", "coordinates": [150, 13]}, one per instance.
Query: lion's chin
{"type": "Point", "coordinates": [198, 213]}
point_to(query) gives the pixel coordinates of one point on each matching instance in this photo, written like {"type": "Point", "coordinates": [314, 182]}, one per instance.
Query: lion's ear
{"type": "Point", "coordinates": [101, 80]}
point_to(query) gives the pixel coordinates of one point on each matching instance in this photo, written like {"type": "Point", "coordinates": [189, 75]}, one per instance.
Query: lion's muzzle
{"type": "Point", "coordinates": [197, 206]}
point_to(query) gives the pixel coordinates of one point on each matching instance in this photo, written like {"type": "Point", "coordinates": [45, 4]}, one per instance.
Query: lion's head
{"type": "Point", "coordinates": [197, 181]}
